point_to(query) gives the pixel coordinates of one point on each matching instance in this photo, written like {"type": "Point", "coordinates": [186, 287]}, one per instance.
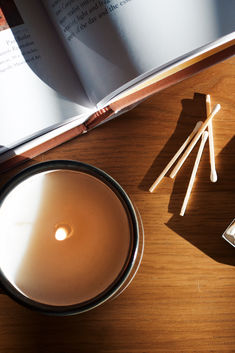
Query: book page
{"type": "Point", "coordinates": [114, 42]}
{"type": "Point", "coordinates": [39, 87]}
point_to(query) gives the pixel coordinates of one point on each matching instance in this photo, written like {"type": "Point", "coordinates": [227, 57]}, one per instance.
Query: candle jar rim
{"type": "Point", "coordinates": [114, 287]}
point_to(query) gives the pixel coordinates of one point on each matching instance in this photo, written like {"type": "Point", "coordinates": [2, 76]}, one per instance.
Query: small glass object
{"type": "Point", "coordinates": [229, 233]}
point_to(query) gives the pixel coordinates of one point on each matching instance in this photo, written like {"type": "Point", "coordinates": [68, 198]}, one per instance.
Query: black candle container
{"type": "Point", "coordinates": [135, 250]}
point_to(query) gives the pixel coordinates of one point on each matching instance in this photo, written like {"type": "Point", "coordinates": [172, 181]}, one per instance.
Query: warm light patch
{"type": "Point", "coordinates": [63, 232]}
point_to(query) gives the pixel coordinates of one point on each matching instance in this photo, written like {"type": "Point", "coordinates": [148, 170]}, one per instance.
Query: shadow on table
{"type": "Point", "coordinates": [211, 205]}
{"type": "Point", "coordinates": [14, 161]}
{"type": "Point", "coordinates": [193, 110]}
{"type": "Point", "coordinates": [210, 209]}
{"type": "Point", "coordinates": [33, 332]}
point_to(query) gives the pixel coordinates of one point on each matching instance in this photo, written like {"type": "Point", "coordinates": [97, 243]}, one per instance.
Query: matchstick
{"type": "Point", "coordinates": [194, 141]}
{"type": "Point", "coordinates": [213, 175]}
{"type": "Point", "coordinates": [178, 153]}
{"type": "Point", "coordinates": [195, 167]}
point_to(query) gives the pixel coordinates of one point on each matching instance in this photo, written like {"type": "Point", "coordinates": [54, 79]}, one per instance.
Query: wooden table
{"type": "Point", "coordinates": [182, 299]}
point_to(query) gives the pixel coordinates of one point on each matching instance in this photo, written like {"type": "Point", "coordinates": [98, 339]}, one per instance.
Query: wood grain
{"type": "Point", "coordinates": [182, 297]}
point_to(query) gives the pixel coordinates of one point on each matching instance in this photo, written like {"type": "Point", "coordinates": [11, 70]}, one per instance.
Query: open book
{"type": "Point", "coordinates": [69, 65]}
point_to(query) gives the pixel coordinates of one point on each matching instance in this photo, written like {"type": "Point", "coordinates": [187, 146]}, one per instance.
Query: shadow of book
{"type": "Point", "coordinates": [8, 159]}
{"type": "Point", "coordinates": [2, 291]}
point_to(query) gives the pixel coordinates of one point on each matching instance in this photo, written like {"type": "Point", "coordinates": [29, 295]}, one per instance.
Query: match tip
{"type": "Point", "coordinates": [204, 136]}
{"type": "Point", "coordinates": [213, 176]}
{"type": "Point", "coordinates": [217, 108]}
{"type": "Point", "coordinates": [208, 98]}
{"type": "Point", "coordinates": [197, 126]}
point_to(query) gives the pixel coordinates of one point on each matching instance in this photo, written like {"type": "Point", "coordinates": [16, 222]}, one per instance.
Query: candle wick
{"type": "Point", "coordinates": [62, 232]}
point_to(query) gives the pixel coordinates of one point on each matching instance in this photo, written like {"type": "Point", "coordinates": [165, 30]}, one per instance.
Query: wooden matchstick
{"type": "Point", "coordinates": [178, 153]}
{"type": "Point", "coordinates": [195, 167]}
{"type": "Point", "coordinates": [213, 175]}
{"type": "Point", "coordinates": [194, 141]}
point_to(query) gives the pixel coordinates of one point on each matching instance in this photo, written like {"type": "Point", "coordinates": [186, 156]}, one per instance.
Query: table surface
{"type": "Point", "coordinates": [181, 300]}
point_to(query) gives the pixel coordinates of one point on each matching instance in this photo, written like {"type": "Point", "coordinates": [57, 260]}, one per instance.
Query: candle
{"type": "Point", "coordinates": [69, 236]}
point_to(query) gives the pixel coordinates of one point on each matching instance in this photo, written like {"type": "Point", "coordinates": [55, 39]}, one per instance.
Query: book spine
{"type": "Point", "coordinates": [98, 117]}
{"type": "Point", "coordinates": [182, 74]}
{"type": "Point", "coordinates": [30, 150]}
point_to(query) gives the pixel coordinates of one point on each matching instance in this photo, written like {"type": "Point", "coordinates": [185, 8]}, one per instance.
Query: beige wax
{"type": "Point", "coordinates": [85, 263]}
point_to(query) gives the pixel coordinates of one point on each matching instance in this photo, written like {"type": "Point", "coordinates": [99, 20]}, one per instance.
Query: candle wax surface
{"type": "Point", "coordinates": [89, 259]}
